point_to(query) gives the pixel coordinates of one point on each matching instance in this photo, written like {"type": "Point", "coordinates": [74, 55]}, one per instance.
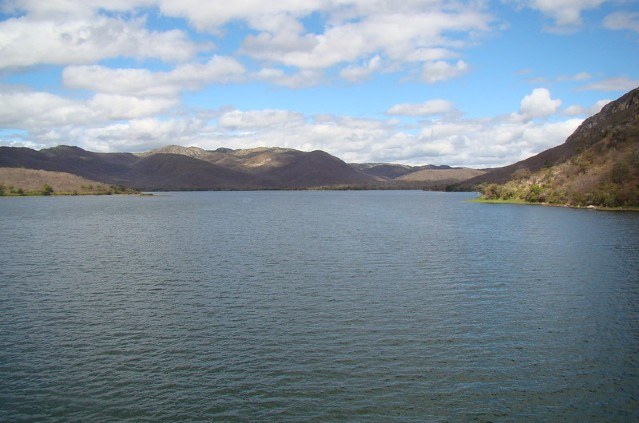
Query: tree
{"type": "Point", "coordinates": [47, 189]}
{"type": "Point", "coordinates": [619, 172]}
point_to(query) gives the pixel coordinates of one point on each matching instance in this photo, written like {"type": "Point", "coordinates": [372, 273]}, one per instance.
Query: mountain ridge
{"type": "Point", "coordinates": [597, 165]}
{"type": "Point", "coordinates": [175, 167]}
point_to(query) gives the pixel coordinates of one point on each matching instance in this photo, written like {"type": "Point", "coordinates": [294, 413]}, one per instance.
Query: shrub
{"type": "Point", "coordinates": [534, 194]}
{"type": "Point", "coordinates": [2, 189]}
{"type": "Point", "coordinates": [492, 192]}
{"type": "Point", "coordinates": [47, 189]}
{"type": "Point", "coordinates": [619, 172]}
{"type": "Point", "coordinates": [521, 174]}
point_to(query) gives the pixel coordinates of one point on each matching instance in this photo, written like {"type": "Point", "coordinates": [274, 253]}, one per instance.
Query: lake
{"type": "Point", "coordinates": [316, 306]}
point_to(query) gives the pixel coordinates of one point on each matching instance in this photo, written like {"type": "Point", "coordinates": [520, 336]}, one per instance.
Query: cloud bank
{"type": "Point", "coordinates": [125, 67]}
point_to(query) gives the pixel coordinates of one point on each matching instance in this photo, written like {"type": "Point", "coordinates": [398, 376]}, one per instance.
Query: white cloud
{"type": "Point", "coordinates": [566, 14]}
{"type": "Point", "coordinates": [29, 110]}
{"type": "Point", "coordinates": [300, 79]}
{"type": "Point", "coordinates": [622, 20]}
{"type": "Point", "coordinates": [39, 111]}
{"type": "Point", "coordinates": [428, 108]}
{"type": "Point", "coordinates": [576, 110]}
{"type": "Point", "coordinates": [26, 41]}
{"type": "Point", "coordinates": [117, 107]}
{"type": "Point", "coordinates": [441, 71]}
{"type": "Point", "coordinates": [70, 8]}
{"type": "Point", "coordinates": [581, 76]}
{"type": "Point", "coordinates": [359, 73]}
{"type": "Point", "coordinates": [142, 82]}
{"type": "Point", "coordinates": [415, 32]}
{"type": "Point", "coordinates": [538, 104]}
{"type": "Point", "coordinates": [251, 120]}
{"type": "Point", "coordinates": [138, 109]}
{"type": "Point", "coordinates": [613, 84]}
{"type": "Point", "coordinates": [211, 15]}
{"type": "Point", "coordinates": [454, 140]}
{"type": "Point", "coordinates": [137, 134]}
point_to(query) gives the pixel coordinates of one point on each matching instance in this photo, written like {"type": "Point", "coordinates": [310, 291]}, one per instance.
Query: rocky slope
{"type": "Point", "coordinates": [597, 165]}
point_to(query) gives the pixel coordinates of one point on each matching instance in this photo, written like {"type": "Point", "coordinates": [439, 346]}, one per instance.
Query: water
{"type": "Point", "coordinates": [316, 306]}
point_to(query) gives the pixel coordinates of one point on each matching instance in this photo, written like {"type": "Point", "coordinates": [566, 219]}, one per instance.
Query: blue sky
{"type": "Point", "coordinates": [465, 83]}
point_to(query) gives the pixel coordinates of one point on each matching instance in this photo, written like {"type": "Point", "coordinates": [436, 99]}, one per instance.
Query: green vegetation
{"type": "Point", "coordinates": [606, 175]}
{"type": "Point", "coordinates": [47, 189]}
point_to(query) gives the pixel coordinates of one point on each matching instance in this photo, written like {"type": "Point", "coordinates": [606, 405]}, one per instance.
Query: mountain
{"type": "Point", "coordinates": [598, 164]}
{"type": "Point", "coordinates": [449, 175]}
{"type": "Point", "coordinates": [191, 168]}
{"type": "Point", "coordinates": [18, 181]}
{"type": "Point", "coordinates": [614, 116]}
{"type": "Point", "coordinates": [390, 171]}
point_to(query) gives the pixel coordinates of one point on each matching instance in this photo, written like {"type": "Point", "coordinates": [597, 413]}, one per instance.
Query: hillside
{"type": "Point", "coordinates": [16, 181]}
{"type": "Point", "coordinates": [449, 175]}
{"type": "Point", "coordinates": [192, 168]}
{"type": "Point", "coordinates": [598, 164]}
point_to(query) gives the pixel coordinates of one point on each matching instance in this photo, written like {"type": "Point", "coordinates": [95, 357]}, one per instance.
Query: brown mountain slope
{"type": "Point", "coordinates": [173, 172]}
{"type": "Point", "coordinates": [598, 165]}
{"type": "Point", "coordinates": [31, 181]}
{"type": "Point", "coordinates": [612, 117]}
{"type": "Point", "coordinates": [191, 168]}
{"type": "Point", "coordinates": [441, 175]}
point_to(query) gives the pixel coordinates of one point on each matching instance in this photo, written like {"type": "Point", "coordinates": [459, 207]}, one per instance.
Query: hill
{"type": "Point", "coordinates": [192, 168]}
{"type": "Point", "coordinates": [598, 164]}
{"type": "Point", "coordinates": [17, 181]}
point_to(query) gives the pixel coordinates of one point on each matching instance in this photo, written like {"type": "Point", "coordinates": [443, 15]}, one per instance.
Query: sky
{"type": "Point", "coordinates": [463, 83]}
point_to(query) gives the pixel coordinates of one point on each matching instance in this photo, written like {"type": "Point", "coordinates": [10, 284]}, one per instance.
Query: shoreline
{"type": "Point", "coordinates": [567, 206]}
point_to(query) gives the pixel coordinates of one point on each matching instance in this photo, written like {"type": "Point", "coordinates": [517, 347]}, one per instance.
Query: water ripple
{"type": "Point", "coordinates": [316, 306]}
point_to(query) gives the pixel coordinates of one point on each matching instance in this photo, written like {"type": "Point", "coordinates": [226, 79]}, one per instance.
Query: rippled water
{"type": "Point", "coordinates": [316, 306]}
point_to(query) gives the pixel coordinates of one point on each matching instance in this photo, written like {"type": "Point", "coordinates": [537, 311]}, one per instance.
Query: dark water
{"type": "Point", "coordinates": [316, 306]}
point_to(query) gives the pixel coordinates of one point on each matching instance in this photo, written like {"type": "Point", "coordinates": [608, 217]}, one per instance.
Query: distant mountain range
{"type": "Point", "coordinates": [598, 164]}
{"type": "Point", "coordinates": [191, 168]}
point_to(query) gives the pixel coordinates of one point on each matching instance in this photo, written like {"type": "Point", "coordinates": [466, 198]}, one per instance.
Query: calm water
{"type": "Point", "coordinates": [316, 306]}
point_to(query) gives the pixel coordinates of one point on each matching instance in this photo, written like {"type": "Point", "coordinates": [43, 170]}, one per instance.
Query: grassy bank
{"type": "Point", "coordinates": [16, 182]}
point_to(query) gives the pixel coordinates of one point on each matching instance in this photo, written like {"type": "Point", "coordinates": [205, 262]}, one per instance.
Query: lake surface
{"type": "Point", "coordinates": [316, 306]}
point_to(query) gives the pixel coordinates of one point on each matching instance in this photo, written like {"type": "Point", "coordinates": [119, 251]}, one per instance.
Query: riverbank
{"type": "Point", "coordinates": [528, 203]}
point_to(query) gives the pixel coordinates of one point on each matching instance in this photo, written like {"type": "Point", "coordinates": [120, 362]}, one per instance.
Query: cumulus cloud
{"type": "Point", "coordinates": [399, 37]}
{"type": "Point", "coordinates": [136, 108]}
{"type": "Point", "coordinates": [428, 108]}
{"type": "Point", "coordinates": [28, 41]}
{"type": "Point", "coordinates": [142, 82]}
{"type": "Point", "coordinates": [20, 109]}
{"type": "Point", "coordinates": [622, 20]}
{"type": "Point", "coordinates": [566, 14]}
{"type": "Point", "coordinates": [538, 104]}
{"type": "Point", "coordinates": [359, 73]}
{"type": "Point", "coordinates": [96, 124]}
{"type": "Point", "coordinates": [211, 15]}
{"type": "Point", "coordinates": [66, 9]}
{"type": "Point", "coordinates": [441, 71]}
{"type": "Point", "coordinates": [300, 79]}
{"type": "Point", "coordinates": [259, 119]}
{"type": "Point", "coordinates": [576, 110]}
{"type": "Point", "coordinates": [117, 107]}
